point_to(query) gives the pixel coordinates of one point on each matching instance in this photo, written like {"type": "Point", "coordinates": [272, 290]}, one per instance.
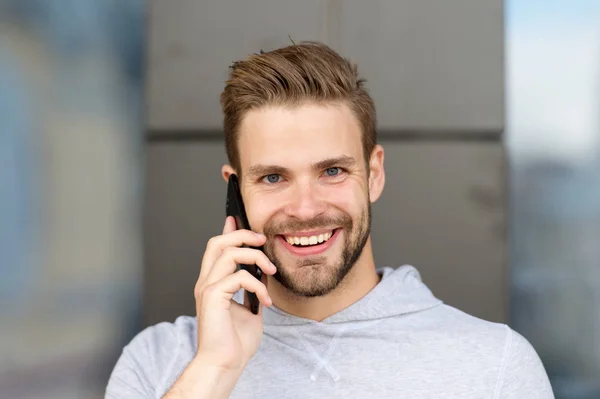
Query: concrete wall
{"type": "Point", "coordinates": [435, 70]}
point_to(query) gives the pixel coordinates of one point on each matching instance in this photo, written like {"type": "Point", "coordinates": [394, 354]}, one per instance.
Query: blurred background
{"type": "Point", "coordinates": [110, 152]}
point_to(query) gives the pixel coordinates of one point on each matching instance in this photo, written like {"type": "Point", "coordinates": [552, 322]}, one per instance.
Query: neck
{"type": "Point", "coordinates": [357, 283]}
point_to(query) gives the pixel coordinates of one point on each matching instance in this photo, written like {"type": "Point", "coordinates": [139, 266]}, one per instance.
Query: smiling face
{"type": "Point", "coordinates": [307, 186]}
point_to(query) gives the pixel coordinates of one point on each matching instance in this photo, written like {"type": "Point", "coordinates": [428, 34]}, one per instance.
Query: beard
{"type": "Point", "coordinates": [314, 276]}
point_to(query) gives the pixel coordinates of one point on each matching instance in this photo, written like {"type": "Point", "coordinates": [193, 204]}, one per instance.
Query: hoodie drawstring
{"type": "Point", "coordinates": [323, 362]}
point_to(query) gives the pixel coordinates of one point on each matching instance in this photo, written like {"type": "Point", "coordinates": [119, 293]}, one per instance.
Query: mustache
{"type": "Point", "coordinates": [322, 221]}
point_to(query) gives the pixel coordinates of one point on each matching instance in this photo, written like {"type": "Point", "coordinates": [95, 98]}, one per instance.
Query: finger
{"type": "Point", "coordinates": [233, 256]}
{"type": "Point", "coordinates": [224, 289]}
{"type": "Point", "coordinates": [217, 244]}
{"type": "Point", "coordinates": [230, 225]}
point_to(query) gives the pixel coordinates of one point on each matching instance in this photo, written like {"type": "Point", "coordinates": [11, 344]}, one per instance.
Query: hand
{"type": "Point", "coordinates": [228, 333]}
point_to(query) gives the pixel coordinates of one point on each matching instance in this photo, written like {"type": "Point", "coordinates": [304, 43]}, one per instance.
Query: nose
{"type": "Point", "coordinates": [305, 202]}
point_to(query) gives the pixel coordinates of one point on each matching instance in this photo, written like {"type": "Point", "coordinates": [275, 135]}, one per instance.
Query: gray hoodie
{"type": "Point", "coordinates": [399, 341]}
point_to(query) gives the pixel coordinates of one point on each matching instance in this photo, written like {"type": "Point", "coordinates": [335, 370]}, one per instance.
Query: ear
{"type": "Point", "coordinates": [377, 173]}
{"type": "Point", "coordinates": [226, 171]}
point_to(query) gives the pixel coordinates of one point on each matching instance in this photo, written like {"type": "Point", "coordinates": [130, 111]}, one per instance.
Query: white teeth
{"type": "Point", "coordinates": [312, 240]}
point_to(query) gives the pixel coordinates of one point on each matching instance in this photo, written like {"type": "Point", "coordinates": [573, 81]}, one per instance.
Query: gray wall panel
{"type": "Point", "coordinates": [430, 65]}
{"type": "Point", "coordinates": [185, 197]}
{"type": "Point", "coordinates": [192, 43]}
{"type": "Point", "coordinates": [442, 211]}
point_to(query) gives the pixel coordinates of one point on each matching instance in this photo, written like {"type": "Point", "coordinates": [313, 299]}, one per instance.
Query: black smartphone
{"type": "Point", "coordinates": [235, 207]}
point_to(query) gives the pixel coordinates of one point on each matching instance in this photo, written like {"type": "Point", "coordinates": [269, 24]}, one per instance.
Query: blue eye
{"type": "Point", "coordinates": [332, 171]}
{"type": "Point", "coordinates": [274, 178]}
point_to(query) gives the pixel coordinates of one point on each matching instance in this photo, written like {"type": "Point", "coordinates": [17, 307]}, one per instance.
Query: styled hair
{"type": "Point", "coordinates": [307, 72]}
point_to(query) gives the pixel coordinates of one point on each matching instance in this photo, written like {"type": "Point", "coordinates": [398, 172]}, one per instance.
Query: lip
{"type": "Point", "coordinates": [310, 250]}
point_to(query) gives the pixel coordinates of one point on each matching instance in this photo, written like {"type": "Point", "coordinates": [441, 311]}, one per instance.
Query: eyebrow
{"type": "Point", "coordinates": [343, 161]}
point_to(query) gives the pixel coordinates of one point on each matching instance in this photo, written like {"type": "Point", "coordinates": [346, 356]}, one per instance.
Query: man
{"type": "Point", "coordinates": [300, 134]}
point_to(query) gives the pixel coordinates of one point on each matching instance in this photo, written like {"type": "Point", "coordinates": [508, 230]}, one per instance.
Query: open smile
{"type": "Point", "coordinates": [309, 243]}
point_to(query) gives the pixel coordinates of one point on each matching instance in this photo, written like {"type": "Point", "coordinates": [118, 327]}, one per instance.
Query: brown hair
{"type": "Point", "coordinates": [291, 76]}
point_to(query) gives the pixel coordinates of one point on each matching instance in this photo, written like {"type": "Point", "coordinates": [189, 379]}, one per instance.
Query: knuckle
{"type": "Point", "coordinates": [208, 291]}
{"type": "Point", "coordinates": [199, 297]}
{"type": "Point", "coordinates": [244, 274]}
{"type": "Point", "coordinates": [212, 243]}
{"type": "Point", "coordinates": [265, 258]}
{"type": "Point", "coordinates": [229, 252]}
{"type": "Point", "coordinates": [199, 287]}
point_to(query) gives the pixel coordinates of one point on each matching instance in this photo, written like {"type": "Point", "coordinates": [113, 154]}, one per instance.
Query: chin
{"type": "Point", "coordinates": [310, 278]}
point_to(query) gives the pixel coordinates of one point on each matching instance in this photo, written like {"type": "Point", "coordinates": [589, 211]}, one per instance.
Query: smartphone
{"type": "Point", "coordinates": [235, 207]}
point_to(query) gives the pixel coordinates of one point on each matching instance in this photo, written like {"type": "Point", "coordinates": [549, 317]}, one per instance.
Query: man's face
{"type": "Point", "coordinates": [305, 184]}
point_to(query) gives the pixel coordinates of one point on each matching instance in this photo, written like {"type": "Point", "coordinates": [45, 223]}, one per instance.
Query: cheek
{"type": "Point", "coordinates": [349, 198]}
{"type": "Point", "coordinates": [260, 209]}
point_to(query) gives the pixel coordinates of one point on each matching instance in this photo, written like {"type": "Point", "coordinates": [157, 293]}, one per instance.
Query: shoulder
{"type": "Point", "coordinates": [518, 369]}
{"type": "Point", "coordinates": [164, 336]}
{"type": "Point", "coordinates": [161, 342]}
{"type": "Point", "coordinates": [496, 340]}
{"type": "Point", "coordinates": [462, 327]}
{"type": "Point", "coordinates": [523, 373]}
{"type": "Point", "coordinates": [153, 358]}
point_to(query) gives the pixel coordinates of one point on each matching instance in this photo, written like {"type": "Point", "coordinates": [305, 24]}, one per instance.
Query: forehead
{"type": "Point", "coordinates": [297, 136]}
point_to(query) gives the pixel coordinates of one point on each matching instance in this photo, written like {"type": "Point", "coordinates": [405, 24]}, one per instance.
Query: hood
{"type": "Point", "coordinates": [400, 291]}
